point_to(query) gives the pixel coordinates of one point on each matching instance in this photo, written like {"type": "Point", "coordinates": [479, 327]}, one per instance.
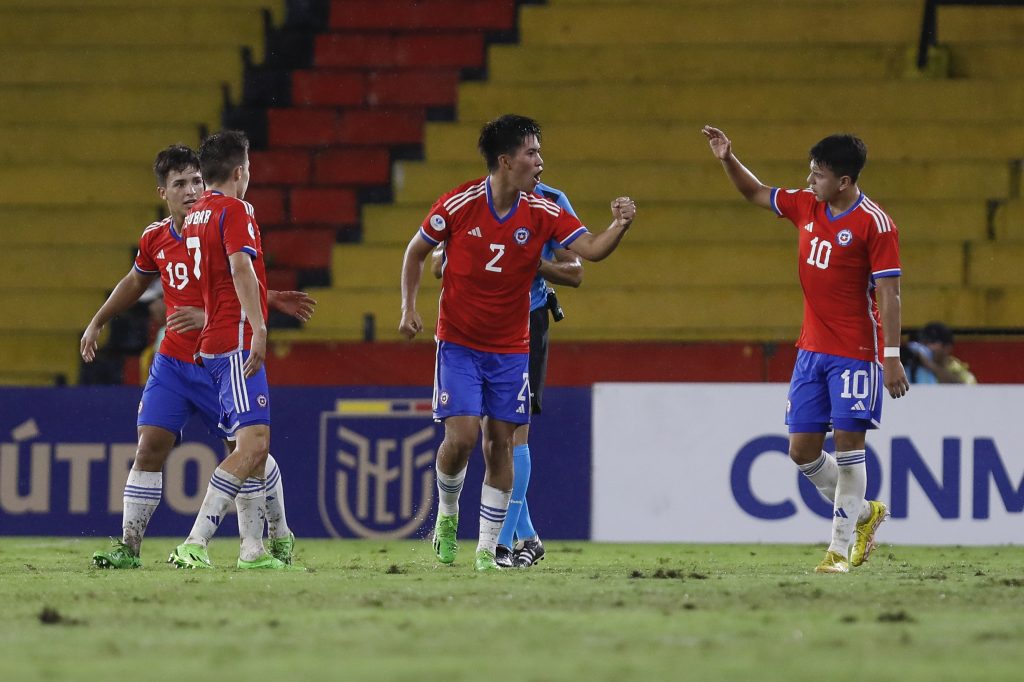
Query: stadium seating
{"type": "Point", "coordinates": [90, 92]}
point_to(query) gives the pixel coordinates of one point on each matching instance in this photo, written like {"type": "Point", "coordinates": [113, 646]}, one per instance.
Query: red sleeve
{"type": "Point", "coordinates": [567, 229]}
{"type": "Point", "coordinates": [238, 231]}
{"type": "Point", "coordinates": [794, 204]}
{"type": "Point", "coordinates": [144, 262]}
{"type": "Point", "coordinates": [437, 225]}
{"type": "Point", "coordinates": [884, 247]}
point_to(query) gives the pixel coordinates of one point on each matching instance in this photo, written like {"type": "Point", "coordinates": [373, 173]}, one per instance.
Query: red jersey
{"type": "Point", "coordinates": [490, 262]}
{"type": "Point", "coordinates": [841, 256]}
{"type": "Point", "coordinates": [215, 227]}
{"type": "Point", "coordinates": [162, 252]}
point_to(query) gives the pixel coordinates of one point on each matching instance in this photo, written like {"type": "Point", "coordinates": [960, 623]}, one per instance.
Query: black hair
{"type": "Point", "coordinates": [505, 135]}
{"type": "Point", "coordinates": [221, 153]}
{"type": "Point", "coordinates": [177, 158]}
{"type": "Point", "coordinates": [936, 332]}
{"type": "Point", "coordinates": [844, 154]}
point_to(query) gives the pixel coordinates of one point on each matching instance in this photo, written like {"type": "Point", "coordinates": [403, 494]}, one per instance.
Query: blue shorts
{"type": "Point", "coordinates": [175, 390]}
{"type": "Point", "coordinates": [243, 402]}
{"type": "Point", "coordinates": [477, 383]}
{"type": "Point", "coordinates": [831, 391]}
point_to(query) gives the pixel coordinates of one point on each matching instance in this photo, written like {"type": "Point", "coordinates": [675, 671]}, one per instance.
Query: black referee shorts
{"type": "Point", "coordinates": [539, 321]}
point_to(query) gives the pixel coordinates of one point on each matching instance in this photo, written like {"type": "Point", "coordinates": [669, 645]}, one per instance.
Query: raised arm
{"type": "Point", "coordinates": [566, 269]}
{"type": "Point", "coordinates": [247, 287]}
{"type": "Point", "coordinates": [412, 273]}
{"type": "Point", "coordinates": [752, 189]}
{"type": "Point", "coordinates": [595, 247]}
{"type": "Point", "coordinates": [893, 375]}
{"type": "Point", "coordinates": [123, 297]}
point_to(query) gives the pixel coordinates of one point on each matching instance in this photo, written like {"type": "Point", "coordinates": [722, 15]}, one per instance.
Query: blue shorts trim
{"type": "Point", "coordinates": [469, 382]}
{"type": "Point", "coordinates": [829, 391]}
{"type": "Point", "coordinates": [243, 402]}
{"type": "Point", "coordinates": [175, 390]}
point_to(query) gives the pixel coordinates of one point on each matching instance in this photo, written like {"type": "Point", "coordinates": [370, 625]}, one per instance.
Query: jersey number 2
{"type": "Point", "coordinates": [499, 251]}
{"type": "Point", "coordinates": [194, 243]}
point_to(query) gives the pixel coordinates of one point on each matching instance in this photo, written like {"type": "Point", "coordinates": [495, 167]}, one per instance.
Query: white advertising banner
{"type": "Point", "coordinates": [709, 463]}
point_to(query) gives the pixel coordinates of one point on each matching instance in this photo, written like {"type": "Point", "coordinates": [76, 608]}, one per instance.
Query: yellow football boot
{"type": "Point", "coordinates": [833, 563]}
{"type": "Point", "coordinates": [864, 538]}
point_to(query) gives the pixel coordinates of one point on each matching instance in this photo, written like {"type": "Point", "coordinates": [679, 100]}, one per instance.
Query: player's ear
{"type": "Point", "coordinates": [162, 191]}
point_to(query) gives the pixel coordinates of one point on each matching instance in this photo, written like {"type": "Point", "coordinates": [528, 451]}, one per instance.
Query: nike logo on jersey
{"type": "Point", "coordinates": [809, 227]}
{"type": "Point", "coordinates": [160, 256]}
{"type": "Point", "coordinates": [476, 232]}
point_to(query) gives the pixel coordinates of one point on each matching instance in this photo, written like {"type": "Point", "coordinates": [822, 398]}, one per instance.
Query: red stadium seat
{"type": "Point", "coordinates": [323, 205]}
{"type": "Point", "coordinates": [433, 88]}
{"type": "Point", "coordinates": [281, 166]}
{"type": "Point", "coordinates": [299, 248]}
{"type": "Point", "coordinates": [328, 88]}
{"type": "Point", "coordinates": [267, 203]}
{"type": "Point", "coordinates": [302, 127]}
{"type": "Point", "coordinates": [381, 127]}
{"type": "Point", "coordinates": [355, 50]}
{"type": "Point", "coordinates": [488, 15]}
{"type": "Point", "coordinates": [353, 166]}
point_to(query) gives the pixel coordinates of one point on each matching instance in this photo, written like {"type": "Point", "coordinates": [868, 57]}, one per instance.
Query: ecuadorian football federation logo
{"type": "Point", "coordinates": [521, 235]}
{"type": "Point", "coordinates": [376, 470]}
{"type": "Point", "coordinates": [437, 222]}
{"type": "Point", "coordinates": [844, 237]}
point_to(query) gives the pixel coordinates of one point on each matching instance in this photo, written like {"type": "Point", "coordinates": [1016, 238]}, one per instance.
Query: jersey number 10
{"type": "Point", "coordinates": [821, 251]}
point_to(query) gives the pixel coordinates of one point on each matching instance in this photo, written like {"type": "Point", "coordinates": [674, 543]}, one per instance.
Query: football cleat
{"type": "Point", "coordinates": [119, 555]}
{"type": "Point", "coordinates": [485, 560]}
{"type": "Point", "coordinates": [833, 563]}
{"type": "Point", "coordinates": [190, 556]}
{"type": "Point", "coordinates": [445, 543]}
{"type": "Point", "coordinates": [268, 562]}
{"type": "Point", "coordinates": [282, 548]}
{"type": "Point", "coordinates": [503, 556]}
{"type": "Point", "coordinates": [528, 553]}
{"type": "Point", "coordinates": [864, 538]}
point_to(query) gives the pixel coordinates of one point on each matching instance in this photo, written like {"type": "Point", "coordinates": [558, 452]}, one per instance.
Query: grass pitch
{"type": "Point", "coordinates": [387, 611]}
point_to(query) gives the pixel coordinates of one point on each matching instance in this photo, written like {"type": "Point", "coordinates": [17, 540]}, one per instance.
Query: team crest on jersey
{"type": "Point", "coordinates": [844, 237]}
{"type": "Point", "coordinates": [437, 222]}
{"type": "Point", "coordinates": [261, 400]}
{"type": "Point", "coordinates": [444, 397]}
{"type": "Point", "coordinates": [521, 235]}
{"type": "Point", "coordinates": [252, 232]}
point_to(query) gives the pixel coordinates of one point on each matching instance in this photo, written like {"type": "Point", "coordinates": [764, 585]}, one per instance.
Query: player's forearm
{"type": "Point", "coordinates": [743, 179]}
{"type": "Point", "coordinates": [124, 296]}
{"type": "Point", "coordinates": [596, 247]}
{"type": "Point", "coordinates": [564, 273]}
{"type": "Point", "coordinates": [247, 288]}
{"type": "Point", "coordinates": [412, 273]}
{"type": "Point", "coordinates": [890, 310]}
{"type": "Point", "coordinates": [272, 302]}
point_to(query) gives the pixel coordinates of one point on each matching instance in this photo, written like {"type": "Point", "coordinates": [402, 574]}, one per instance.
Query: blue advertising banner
{"type": "Point", "coordinates": [355, 462]}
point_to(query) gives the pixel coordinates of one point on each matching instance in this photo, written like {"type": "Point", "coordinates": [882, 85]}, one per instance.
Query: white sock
{"type": "Point", "coordinates": [220, 496]}
{"type": "Point", "coordinates": [277, 524]}
{"type": "Point", "coordinates": [850, 489]}
{"type": "Point", "coordinates": [449, 488]}
{"type": "Point", "coordinates": [824, 474]}
{"type": "Point", "coordinates": [142, 493]}
{"type": "Point", "coordinates": [251, 506]}
{"type": "Point", "coordinates": [493, 507]}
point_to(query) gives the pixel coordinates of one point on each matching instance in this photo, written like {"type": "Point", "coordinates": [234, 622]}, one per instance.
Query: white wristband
{"type": "Point", "coordinates": [891, 352]}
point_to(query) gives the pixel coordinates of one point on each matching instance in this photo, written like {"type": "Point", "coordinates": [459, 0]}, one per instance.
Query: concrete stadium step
{"type": "Point", "coordinates": [38, 358]}
{"type": "Point", "coordinates": [980, 24]}
{"type": "Point", "coordinates": [1009, 221]}
{"type": "Point", "coordinates": [967, 101]}
{"type": "Point", "coordinates": [96, 105]}
{"type": "Point", "coordinates": [617, 24]}
{"type": "Point", "coordinates": [96, 183]}
{"type": "Point", "coordinates": [127, 65]}
{"type": "Point", "coordinates": [423, 182]}
{"type": "Point", "coordinates": [88, 267]}
{"type": "Point", "coordinates": [703, 221]}
{"type": "Point", "coordinates": [344, 312]}
{"type": "Point", "coordinates": [96, 225]}
{"type": "Point", "coordinates": [753, 141]}
{"type": "Point", "coordinates": [971, 60]}
{"type": "Point", "coordinates": [87, 26]}
{"type": "Point", "coordinates": [29, 143]}
{"type": "Point", "coordinates": [996, 264]}
{"type": "Point", "coordinates": [639, 63]}
{"type": "Point", "coordinates": [47, 310]}
{"type": "Point", "coordinates": [359, 265]}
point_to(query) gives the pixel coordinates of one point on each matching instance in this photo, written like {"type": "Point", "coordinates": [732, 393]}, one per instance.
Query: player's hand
{"type": "Point", "coordinates": [88, 344]}
{"type": "Point", "coordinates": [298, 304]}
{"type": "Point", "coordinates": [185, 319]}
{"type": "Point", "coordinates": [411, 324]}
{"type": "Point", "coordinates": [895, 377]}
{"type": "Point", "coordinates": [257, 353]}
{"type": "Point", "coordinates": [721, 147]}
{"type": "Point", "coordinates": [623, 211]}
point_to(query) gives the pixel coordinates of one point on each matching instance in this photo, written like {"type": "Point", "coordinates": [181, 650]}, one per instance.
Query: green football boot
{"type": "Point", "coordinates": [282, 548]}
{"type": "Point", "coordinates": [267, 562]}
{"type": "Point", "coordinates": [445, 544]}
{"type": "Point", "coordinates": [119, 555]}
{"type": "Point", "coordinates": [485, 561]}
{"type": "Point", "coordinates": [864, 537]}
{"type": "Point", "coordinates": [190, 556]}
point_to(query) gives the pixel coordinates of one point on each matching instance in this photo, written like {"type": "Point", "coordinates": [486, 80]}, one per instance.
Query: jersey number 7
{"type": "Point", "coordinates": [193, 243]}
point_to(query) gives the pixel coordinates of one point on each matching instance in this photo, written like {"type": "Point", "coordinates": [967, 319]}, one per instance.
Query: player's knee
{"type": "Point", "coordinates": [803, 455]}
{"type": "Point", "coordinates": [152, 453]}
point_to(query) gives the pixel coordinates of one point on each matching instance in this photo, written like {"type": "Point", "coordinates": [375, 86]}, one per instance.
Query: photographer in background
{"type": "Point", "coordinates": [519, 544]}
{"type": "Point", "coordinates": [929, 359]}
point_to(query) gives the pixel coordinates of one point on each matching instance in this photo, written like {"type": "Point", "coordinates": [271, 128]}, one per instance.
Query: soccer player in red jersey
{"type": "Point", "coordinates": [849, 342]}
{"type": "Point", "coordinates": [226, 258]}
{"type": "Point", "coordinates": [176, 388]}
{"type": "Point", "coordinates": [495, 228]}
